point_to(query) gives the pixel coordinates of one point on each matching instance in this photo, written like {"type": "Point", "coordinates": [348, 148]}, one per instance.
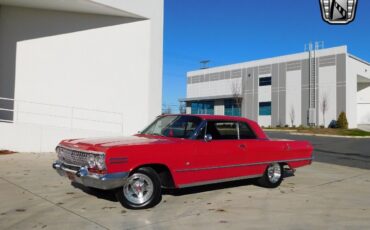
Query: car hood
{"type": "Point", "coordinates": [101, 144]}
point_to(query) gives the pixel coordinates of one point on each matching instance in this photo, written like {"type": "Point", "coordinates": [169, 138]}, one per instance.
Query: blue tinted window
{"type": "Point", "coordinates": [231, 108]}
{"type": "Point", "coordinates": [265, 81]}
{"type": "Point", "coordinates": [265, 108]}
{"type": "Point", "coordinates": [202, 107]}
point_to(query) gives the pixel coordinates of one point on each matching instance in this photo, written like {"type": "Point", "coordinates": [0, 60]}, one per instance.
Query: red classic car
{"type": "Point", "coordinates": [178, 151]}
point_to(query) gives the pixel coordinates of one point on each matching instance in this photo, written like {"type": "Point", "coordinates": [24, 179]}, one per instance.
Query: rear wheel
{"type": "Point", "coordinates": [141, 190]}
{"type": "Point", "coordinates": [272, 177]}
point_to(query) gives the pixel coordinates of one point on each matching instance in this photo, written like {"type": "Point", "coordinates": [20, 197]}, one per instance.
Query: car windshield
{"type": "Point", "coordinates": [173, 126]}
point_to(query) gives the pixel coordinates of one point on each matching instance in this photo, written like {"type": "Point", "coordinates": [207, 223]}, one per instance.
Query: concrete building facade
{"type": "Point", "coordinates": [286, 90]}
{"type": "Point", "coordinates": [78, 69]}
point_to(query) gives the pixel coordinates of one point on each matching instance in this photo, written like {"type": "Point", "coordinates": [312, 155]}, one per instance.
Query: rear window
{"type": "Point", "coordinates": [245, 131]}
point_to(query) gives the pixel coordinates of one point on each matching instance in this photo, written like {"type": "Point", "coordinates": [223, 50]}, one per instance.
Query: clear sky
{"type": "Point", "coordinates": [232, 31]}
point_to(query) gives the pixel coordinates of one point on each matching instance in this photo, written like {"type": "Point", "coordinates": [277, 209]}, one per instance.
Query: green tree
{"type": "Point", "coordinates": [342, 122]}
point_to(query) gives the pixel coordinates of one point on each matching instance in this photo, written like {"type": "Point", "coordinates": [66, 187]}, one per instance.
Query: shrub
{"type": "Point", "coordinates": [286, 126]}
{"type": "Point", "coordinates": [322, 126]}
{"type": "Point", "coordinates": [294, 126]}
{"type": "Point", "coordinates": [333, 124]}
{"type": "Point", "coordinates": [342, 122]}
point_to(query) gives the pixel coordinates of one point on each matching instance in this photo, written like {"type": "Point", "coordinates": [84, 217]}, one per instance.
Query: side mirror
{"type": "Point", "coordinates": [208, 138]}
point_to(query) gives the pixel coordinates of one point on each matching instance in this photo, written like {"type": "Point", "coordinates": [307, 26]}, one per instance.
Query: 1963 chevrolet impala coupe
{"type": "Point", "coordinates": [178, 151]}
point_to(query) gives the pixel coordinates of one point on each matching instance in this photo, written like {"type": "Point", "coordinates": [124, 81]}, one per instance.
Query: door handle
{"type": "Point", "coordinates": [242, 146]}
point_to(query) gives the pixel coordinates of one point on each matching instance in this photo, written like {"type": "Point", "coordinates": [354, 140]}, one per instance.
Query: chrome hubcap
{"type": "Point", "coordinates": [274, 173]}
{"type": "Point", "coordinates": [138, 189]}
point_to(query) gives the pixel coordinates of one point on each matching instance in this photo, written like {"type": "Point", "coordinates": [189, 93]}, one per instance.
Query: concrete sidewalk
{"type": "Point", "coordinates": [320, 196]}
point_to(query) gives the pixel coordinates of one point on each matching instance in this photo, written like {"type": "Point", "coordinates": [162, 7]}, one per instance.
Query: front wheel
{"type": "Point", "coordinates": [272, 177]}
{"type": "Point", "coordinates": [141, 190]}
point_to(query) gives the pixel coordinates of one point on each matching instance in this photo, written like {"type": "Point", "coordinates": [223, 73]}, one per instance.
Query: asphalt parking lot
{"type": "Point", "coordinates": [329, 194]}
{"type": "Point", "coordinates": [351, 152]}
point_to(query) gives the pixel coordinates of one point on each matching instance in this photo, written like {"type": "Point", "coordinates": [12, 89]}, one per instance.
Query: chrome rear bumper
{"type": "Point", "coordinates": [82, 176]}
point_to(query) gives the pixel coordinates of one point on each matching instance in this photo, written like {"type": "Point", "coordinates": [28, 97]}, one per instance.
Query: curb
{"type": "Point", "coordinates": [325, 135]}
{"type": "Point", "coordinates": [279, 130]}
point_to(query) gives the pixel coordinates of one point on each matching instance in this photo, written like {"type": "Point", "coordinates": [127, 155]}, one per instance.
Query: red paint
{"type": "Point", "coordinates": [193, 161]}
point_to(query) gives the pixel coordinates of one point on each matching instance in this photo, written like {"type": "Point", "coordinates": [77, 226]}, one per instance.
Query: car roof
{"type": "Point", "coordinates": [254, 125]}
{"type": "Point", "coordinates": [213, 117]}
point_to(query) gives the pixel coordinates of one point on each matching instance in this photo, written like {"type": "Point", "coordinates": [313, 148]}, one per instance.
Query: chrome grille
{"type": "Point", "coordinates": [73, 157]}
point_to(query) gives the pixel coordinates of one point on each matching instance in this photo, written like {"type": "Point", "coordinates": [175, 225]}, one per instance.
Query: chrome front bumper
{"type": "Point", "coordinates": [82, 176]}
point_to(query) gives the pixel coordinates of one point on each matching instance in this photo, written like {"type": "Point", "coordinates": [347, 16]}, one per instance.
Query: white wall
{"type": "Point", "coordinates": [219, 107]}
{"type": "Point", "coordinates": [355, 68]}
{"type": "Point", "coordinates": [73, 70]}
{"type": "Point", "coordinates": [363, 96]}
{"type": "Point", "coordinates": [351, 88]}
{"type": "Point", "coordinates": [87, 61]}
{"type": "Point", "coordinates": [22, 137]}
{"type": "Point", "coordinates": [327, 88]}
{"type": "Point", "coordinates": [212, 88]}
{"type": "Point", "coordinates": [188, 109]}
{"type": "Point", "coordinates": [293, 97]}
{"type": "Point", "coordinates": [363, 113]}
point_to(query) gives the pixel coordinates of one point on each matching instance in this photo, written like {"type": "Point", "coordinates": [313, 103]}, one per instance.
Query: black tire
{"type": "Point", "coordinates": [122, 194]}
{"type": "Point", "coordinates": [266, 180]}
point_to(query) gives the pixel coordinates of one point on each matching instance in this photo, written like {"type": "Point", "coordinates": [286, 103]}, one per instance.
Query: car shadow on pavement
{"type": "Point", "coordinates": [109, 195]}
{"type": "Point", "coordinates": [98, 193]}
{"type": "Point", "coordinates": [209, 187]}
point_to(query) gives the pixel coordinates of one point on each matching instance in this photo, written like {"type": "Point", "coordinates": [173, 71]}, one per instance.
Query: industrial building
{"type": "Point", "coordinates": [307, 88]}
{"type": "Point", "coordinates": [72, 69]}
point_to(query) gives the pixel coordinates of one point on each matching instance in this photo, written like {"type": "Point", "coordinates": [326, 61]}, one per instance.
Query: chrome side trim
{"type": "Point", "coordinates": [219, 181]}
{"type": "Point", "coordinates": [242, 165]}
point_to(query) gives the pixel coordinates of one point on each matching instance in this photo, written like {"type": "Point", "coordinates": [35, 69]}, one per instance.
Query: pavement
{"type": "Point", "coordinates": [341, 151]}
{"type": "Point", "coordinates": [320, 196]}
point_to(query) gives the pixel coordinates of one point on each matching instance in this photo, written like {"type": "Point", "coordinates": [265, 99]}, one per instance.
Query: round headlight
{"type": "Point", "coordinates": [91, 161]}
{"type": "Point", "coordinates": [100, 162]}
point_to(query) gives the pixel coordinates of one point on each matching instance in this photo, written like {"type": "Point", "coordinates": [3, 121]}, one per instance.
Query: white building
{"type": "Point", "coordinates": [78, 69]}
{"type": "Point", "coordinates": [277, 90]}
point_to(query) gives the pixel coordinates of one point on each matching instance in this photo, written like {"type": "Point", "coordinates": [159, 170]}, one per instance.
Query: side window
{"type": "Point", "coordinates": [245, 131]}
{"type": "Point", "coordinates": [222, 130]}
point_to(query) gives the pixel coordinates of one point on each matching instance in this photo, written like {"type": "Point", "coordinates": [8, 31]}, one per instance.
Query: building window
{"type": "Point", "coordinates": [202, 107]}
{"type": "Point", "coordinates": [265, 108]}
{"type": "Point", "coordinates": [231, 108]}
{"type": "Point", "coordinates": [265, 81]}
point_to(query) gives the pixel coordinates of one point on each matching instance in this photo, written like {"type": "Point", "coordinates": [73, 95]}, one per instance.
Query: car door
{"type": "Point", "coordinates": [253, 152]}
{"type": "Point", "coordinates": [216, 159]}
